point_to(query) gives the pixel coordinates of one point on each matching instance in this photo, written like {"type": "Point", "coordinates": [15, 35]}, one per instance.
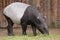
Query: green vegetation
{"type": "Point", "coordinates": [30, 37]}
{"type": "Point", "coordinates": [52, 24]}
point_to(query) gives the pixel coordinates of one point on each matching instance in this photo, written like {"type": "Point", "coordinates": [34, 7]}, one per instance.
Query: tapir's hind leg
{"type": "Point", "coordinates": [10, 26]}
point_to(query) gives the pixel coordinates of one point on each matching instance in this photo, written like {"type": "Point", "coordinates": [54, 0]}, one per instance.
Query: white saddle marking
{"type": "Point", "coordinates": [15, 11]}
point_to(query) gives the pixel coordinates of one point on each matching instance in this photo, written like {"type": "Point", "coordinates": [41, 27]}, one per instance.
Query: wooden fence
{"type": "Point", "coordinates": [47, 8]}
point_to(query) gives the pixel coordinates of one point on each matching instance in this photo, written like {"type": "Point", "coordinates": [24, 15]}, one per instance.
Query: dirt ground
{"type": "Point", "coordinates": [18, 31]}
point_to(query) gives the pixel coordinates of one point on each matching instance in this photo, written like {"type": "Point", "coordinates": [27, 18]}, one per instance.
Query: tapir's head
{"type": "Point", "coordinates": [41, 25]}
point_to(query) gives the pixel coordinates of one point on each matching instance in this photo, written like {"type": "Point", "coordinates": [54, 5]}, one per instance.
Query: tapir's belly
{"type": "Point", "coordinates": [15, 11]}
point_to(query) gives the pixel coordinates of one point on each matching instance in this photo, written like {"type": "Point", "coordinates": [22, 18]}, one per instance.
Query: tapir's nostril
{"type": "Point", "coordinates": [46, 31]}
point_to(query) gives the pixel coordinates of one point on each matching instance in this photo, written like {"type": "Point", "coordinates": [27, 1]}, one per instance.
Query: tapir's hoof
{"type": "Point", "coordinates": [35, 35]}
{"type": "Point", "coordinates": [10, 34]}
{"type": "Point", "coordinates": [24, 34]}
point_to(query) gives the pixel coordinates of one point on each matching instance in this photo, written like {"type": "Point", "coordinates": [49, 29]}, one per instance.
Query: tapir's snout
{"type": "Point", "coordinates": [43, 29]}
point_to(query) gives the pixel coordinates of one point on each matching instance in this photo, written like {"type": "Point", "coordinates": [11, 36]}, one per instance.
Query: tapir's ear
{"type": "Point", "coordinates": [44, 17]}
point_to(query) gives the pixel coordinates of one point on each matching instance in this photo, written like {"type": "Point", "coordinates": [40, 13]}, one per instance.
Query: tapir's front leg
{"type": "Point", "coordinates": [34, 30]}
{"type": "Point", "coordinates": [24, 27]}
{"type": "Point", "coordinates": [10, 26]}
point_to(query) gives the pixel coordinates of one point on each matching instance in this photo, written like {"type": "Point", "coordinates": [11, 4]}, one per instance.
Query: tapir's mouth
{"type": "Point", "coordinates": [42, 29]}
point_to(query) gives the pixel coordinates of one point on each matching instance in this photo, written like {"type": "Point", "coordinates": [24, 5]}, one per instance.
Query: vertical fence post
{"type": "Point", "coordinates": [54, 12]}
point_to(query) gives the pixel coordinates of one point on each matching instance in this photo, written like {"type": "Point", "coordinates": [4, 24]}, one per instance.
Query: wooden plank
{"type": "Point", "coordinates": [54, 12]}
{"type": "Point", "coordinates": [58, 13]}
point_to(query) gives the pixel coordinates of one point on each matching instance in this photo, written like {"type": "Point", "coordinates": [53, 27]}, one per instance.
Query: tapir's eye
{"type": "Point", "coordinates": [44, 17]}
{"type": "Point", "coordinates": [38, 21]}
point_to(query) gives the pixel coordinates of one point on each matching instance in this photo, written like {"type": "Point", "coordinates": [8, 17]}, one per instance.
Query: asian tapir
{"type": "Point", "coordinates": [24, 14]}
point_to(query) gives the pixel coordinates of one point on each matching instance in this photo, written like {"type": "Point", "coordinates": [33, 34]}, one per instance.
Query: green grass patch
{"type": "Point", "coordinates": [30, 37]}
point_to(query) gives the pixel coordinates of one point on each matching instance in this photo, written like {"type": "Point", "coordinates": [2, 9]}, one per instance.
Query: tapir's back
{"type": "Point", "coordinates": [15, 11]}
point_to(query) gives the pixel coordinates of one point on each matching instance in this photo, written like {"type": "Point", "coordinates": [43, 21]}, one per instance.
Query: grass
{"type": "Point", "coordinates": [30, 37]}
